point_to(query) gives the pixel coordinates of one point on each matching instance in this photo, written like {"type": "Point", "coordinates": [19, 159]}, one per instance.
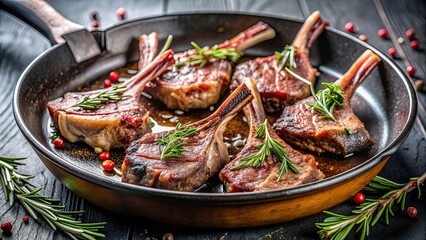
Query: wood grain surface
{"type": "Point", "coordinates": [20, 44]}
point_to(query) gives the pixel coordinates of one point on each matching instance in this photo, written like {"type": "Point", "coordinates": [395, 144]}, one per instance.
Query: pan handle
{"type": "Point", "coordinates": [41, 16]}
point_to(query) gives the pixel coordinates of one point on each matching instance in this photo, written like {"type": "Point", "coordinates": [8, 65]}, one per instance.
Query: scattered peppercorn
{"type": "Point", "coordinates": [411, 70]}
{"type": "Point", "coordinates": [6, 227]}
{"type": "Point", "coordinates": [113, 76]}
{"type": "Point", "coordinates": [419, 85]}
{"type": "Point", "coordinates": [363, 38]}
{"type": "Point", "coordinates": [350, 27]}
{"type": "Point", "coordinates": [104, 156]}
{"type": "Point", "coordinates": [58, 142]}
{"type": "Point", "coordinates": [412, 212]}
{"type": "Point", "coordinates": [392, 52]}
{"type": "Point", "coordinates": [383, 33]}
{"type": "Point", "coordinates": [95, 24]}
{"type": "Point", "coordinates": [401, 40]}
{"type": "Point", "coordinates": [359, 198]}
{"type": "Point", "coordinates": [107, 83]}
{"type": "Point", "coordinates": [121, 13]}
{"type": "Point", "coordinates": [26, 219]}
{"type": "Point", "coordinates": [108, 165]}
{"type": "Point", "coordinates": [410, 34]}
{"type": "Point", "coordinates": [414, 44]}
{"type": "Point", "coordinates": [94, 15]}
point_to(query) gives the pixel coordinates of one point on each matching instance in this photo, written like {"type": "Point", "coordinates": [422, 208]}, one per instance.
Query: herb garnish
{"type": "Point", "coordinates": [367, 214]}
{"type": "Point", "coordinates": [325, 99]}
{"type": "Point", "coordinates": [348, 131]}
{"type": "Point", "coordinates": [113, 94]}
{"type": "Point", "coordinates": [16, 186]}
{"type": "Point", "coordinates": [268, 147]}
{"type": "Point", "coordinates": [204, 54]}
{"type": "Point", "coordinates": [286, 58]}
{"type": "Point", "coordinates": [170, 145]}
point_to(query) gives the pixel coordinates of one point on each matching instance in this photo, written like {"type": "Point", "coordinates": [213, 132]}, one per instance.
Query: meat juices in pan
{"type": "Point", "coordinates": [113, 124]}
{"type": "Point", "coordinates": [265, 176]}
{"type": "Point", "coordinates": [300, 125]}
{"type": "Point", "coordinates": [193, 86]}
{"type": "Point", "coordinates": [277, 87]}
{"type": "Point", "coordinates": [204, 153]}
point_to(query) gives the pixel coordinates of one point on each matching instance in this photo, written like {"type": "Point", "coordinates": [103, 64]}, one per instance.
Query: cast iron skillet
{"type": "Point", "coordinates": [385, 102]}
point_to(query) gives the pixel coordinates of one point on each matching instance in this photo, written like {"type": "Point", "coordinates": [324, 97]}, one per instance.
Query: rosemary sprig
{"type": "Point", "coordinates": [286, 58]}
{"type": "Point", "coordinates": [325, 100]}
{"type": "Point", "coordinates": [268, 147]}
{"type": "Point", "coordinates": [366, 215]}
{"type": "Point", "coordinates": [205, 54]}
{"type": "Point", "coordinates": [16, 186]}
{"type": "Point", "coordinates": [170, 145]}
{"type": "Point", "coordinates": [113, 94]}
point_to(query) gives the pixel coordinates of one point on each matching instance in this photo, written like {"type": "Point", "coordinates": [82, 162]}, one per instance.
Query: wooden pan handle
{"type": "Point", "coordinates": [43, 17]}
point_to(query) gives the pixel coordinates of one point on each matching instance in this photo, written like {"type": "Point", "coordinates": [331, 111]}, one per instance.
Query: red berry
{"type": "Point", "coordinates": [58, 142]}
{"type": "Point", "coordinates": [95, 24]}
{"type": "Point", "coordinates": [410, 34]}
{"type": "Point", "coordinates": [411, 70]}
{"type": "Point", "coordinates": [350, 27]}
{"type": "Point", "coordinates": [359, 198]}
{"type": "Point", "coordinates": [383, 33]}
{"type": "Point", "coordinates": [104, 156]}
{"type": "Point", "coordinates": [26, 219]}
{"type": "Point", "coordinates": [107, 83]}
{"type": "Point", "coordinates": [412, 212]}
{"type": "Point", "coordinates": [6, 227]}
{"type": "Point", "coordinates": [108, 165]}
{"type": "Point", "coordinates": [392, 52]}
{"type": "Point", "coordinates": [414, 44]}
{"type": "Point", "coordinates": [113, 76]}
{"type": "Point", "coordinates": [121, 13]}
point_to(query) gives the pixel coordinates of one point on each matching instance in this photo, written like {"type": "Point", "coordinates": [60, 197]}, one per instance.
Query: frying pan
{"type": "Point", "coordinates": [385, 102]}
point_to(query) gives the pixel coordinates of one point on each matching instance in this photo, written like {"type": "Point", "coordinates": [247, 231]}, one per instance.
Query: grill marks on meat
{"type": "Point", "coordinates": [264, 177]}
{"type": "Point", "coordinates": [277, 87]}
{"type": "Point", "coordinates": [191, 87]}
{"type": "Point", "coordinates": [114, 124]}
{"type": "Point", "coordinates": [300, 124]}
{"type": "Point", "coordinates": [204, 153]}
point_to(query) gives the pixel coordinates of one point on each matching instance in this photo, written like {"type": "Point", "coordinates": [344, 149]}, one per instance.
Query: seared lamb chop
{"type": "Point", "coordinates": [276, 86]}
{"type": "Point", "coordinates": [202, 156]}
{"type": "Point", "coordinates": [193, 86]}
{"type": "Point", "coordinates": [114, 124]}
{"type": "Point", "coordinates": [302, 126]}
{"type": "Point", "coordinates": [265, 176]}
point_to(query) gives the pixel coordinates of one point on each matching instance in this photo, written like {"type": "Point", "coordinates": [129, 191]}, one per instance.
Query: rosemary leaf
{"type": "Point", "coordinates": [40, 205]}
{"type": "Point", "coordinates": [113, 94]}
{"type": "Point", "coordinates": [267, 148]}
{"type": "Point", "coordinates": [171, 145]}
{"type": "Point", "coordinates": [366, 215]}
{"type": "Point", "coordinates": [203, 55]}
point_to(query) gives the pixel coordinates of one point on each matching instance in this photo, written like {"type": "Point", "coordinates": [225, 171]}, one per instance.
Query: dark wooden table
{"type": "Point", "coordinates": [20, 44]}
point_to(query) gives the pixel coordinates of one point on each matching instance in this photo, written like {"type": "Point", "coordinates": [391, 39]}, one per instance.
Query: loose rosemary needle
{"type": "Point", "coordinates": [205, 54]}
{"type": "Point", "coordinates": [269, 147]}
{"type": "Point", "coordinates": [170, 144]}
{"type": "Point", "coordinates": [16, 186]}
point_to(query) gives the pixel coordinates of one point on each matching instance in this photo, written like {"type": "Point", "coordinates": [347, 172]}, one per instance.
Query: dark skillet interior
{"type": "Point", "coordinates": [385, 101]}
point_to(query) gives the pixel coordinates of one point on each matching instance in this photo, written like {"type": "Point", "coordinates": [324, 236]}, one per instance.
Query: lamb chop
{"type": "Point", "coordinates": [277, 87]}
{"type": "Point", "coordinates": [306, 128]}
{"type": "Point", "coordinates": [268, 175]}
{"type": "Point", "coordinates": [108, 122]}
{"type": "Point", "coordinates": [195, 86]}
{"type": "Point", "coordinates": [202, 151]}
